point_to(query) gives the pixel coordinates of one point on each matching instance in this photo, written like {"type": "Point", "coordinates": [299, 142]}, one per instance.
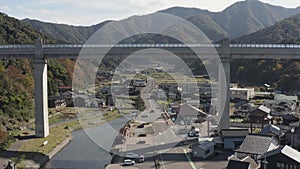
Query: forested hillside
{"type": "Point", "coordinates": [284, 74]}
{"type": "Point", "coordinates": [17, 85]}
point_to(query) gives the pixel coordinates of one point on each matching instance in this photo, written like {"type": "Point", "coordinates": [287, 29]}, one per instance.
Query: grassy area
{"type": "Point", "coordinates": [56, 136]}
{"type": "Point", "coordinates": [55, 118]}
{"type": "Point", "coordinates": [163, 102]}
{"type": "Point", "coordinates": [111, 116]}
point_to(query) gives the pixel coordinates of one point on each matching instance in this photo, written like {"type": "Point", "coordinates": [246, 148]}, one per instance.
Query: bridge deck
{"type": "Point", "coordinates": [237, 51]}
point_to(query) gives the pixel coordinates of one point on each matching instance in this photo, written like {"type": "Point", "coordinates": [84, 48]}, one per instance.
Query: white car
{"type": "Point", "coordinates": [129, 162]}
{"type": "Point", "coordinates": [145, 115]}
{"type": "Point", "coordinates": [181, 122]}
{"type": "Point", "coordinates": [131, 155]}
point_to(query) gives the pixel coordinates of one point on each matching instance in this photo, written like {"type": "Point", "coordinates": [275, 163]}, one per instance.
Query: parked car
{"type": "Point", "coordinates": [141, 159]}
{"type": "Point", "coordinates": [129, 162]}
{"type": "Point", "coordinates": [181, 122]}
{"type": "Point", "coordinates": [131, 155]}
{"type": "Point", "coordinates": [191, 134]}
{"type": "Point", "coordinates": [145, 115]}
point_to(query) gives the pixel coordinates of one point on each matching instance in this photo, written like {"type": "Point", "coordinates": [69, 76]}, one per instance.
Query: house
{"type": "Point", "coordinates": [80, 100]}
{"type": "Point", "coordinates": [241, 93]}
{"type": "Point", "coordinates": [139, 83]}
{"type": "Point", "coordinates": [280, 107]}
{"type": "Point", "coordinates": [256, 145]}
{"type": "Point", "coordinates": [63, 89]}
{"type": "Point", "coordinates": [260, 115]}
{"type": "Point", "coordinates": [204, 148]}
{"type": "Point", "coordinates": [286, 97]}
{"type": "Point", "coordinates": [243, 108]}
{"type": "Point", "coordinates": [283, 157]}
{"type": "Point", "coordinates": [252, 162]}
{"type": "Point", "coordinates": [188, 112]}
{"type": "Point", "coordinates": [56, 101]}
{"type": "Point", "coordinates": [233, 138]}
{"type": "Point", "coordinates": [159, 94]}
{"type": "Point", "coordinates": [289, 119]}
{"type": "Point", "coordinates": [191, 101]}
{"type": "Point", "coordinates": [292, 138]}
{"type": "Point", "coordinates": [233, 164]}
{"type": "Point", "coordinates": [271, 130]}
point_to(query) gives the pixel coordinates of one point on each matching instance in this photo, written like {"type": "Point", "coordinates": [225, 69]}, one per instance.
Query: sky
{"type": "Point", "coordinates": [89, 12]}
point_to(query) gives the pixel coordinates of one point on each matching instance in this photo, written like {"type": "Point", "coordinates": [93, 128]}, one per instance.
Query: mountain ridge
{"type": "Point", "coordinates": [240, 18]}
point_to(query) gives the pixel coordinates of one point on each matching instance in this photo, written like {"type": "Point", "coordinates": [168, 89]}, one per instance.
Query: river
{"type": "Point", "coordinates": [82, 152]}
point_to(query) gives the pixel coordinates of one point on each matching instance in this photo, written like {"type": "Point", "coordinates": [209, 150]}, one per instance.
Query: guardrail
{"type": "Point", "coordinates": [154, 45]}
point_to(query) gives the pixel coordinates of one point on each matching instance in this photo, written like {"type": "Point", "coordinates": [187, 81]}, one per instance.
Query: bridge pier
{"type": "Point", "coordinates": [224, 88]}
{"type": "Point", "coordinates": [40, 92]}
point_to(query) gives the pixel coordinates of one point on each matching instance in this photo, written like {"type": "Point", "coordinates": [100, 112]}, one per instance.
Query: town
{"type": "Point", "coordinates": [153, 85]}
{"type": "Point", "coordinates": [264, 125]}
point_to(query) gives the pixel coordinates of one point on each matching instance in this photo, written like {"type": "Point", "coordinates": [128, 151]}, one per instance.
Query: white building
{"type": "Point", "coordinates": [241, 93]}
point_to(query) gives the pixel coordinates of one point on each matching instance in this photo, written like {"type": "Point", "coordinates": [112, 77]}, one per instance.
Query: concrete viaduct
{"type": "Point", "coordinates": [41, 52]}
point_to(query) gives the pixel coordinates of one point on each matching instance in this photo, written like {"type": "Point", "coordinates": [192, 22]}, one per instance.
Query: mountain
{"type": "Point", "coordinates": [65, 33]}
{"type": "Point", "coordinates": [251, 15]}
{"type": "Point", "coordinates": [241, 18]}
{"type": "Point", "coordinates": [12, 31]}
{"type": "Point", "coordinates": [286, 31]}
{"type": "Point", "coordinates": [238, 19]}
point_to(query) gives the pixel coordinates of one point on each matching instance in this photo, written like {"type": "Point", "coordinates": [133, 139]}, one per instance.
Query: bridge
{"type": "Point", "coordinates": [41, 52]}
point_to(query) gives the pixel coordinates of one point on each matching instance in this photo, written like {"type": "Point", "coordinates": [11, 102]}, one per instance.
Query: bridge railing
{"type": "Point", "coordinates": [264, 45]}
{"type": "Point", "coordinates": [16, 46]}
{"type": "Point", "coordinates": [155, 45]}
{"type": "Point", "coordinates": [133, 45]}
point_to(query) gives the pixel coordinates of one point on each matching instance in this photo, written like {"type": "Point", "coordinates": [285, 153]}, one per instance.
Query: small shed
{"type": "Point", "coordinates": [203, 149]}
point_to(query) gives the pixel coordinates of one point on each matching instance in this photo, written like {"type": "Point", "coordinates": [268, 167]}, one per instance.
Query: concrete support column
{"type": "Point", "coordinates": [40, 92]}
{"type": "Point", "coordinates": [224, 88]}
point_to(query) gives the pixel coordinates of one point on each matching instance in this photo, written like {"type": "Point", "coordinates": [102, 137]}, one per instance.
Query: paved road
{"type": "Point", "coordinates": [175, 158]}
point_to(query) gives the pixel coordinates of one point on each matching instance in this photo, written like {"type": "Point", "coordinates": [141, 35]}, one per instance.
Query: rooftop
{"type": "Point", "coordinates": [206, 145]}
{"type": "Point", "coordinates": [285, 97]}
{"type": "Point", "coordinates": [255, 144]}
{"type": "Point", "coordinates": [264, 109]}
{"type": "Point", "coordinates": [234, 132]}
{"type": "Point", "coordinates": [187, 109]}
{"type": "Point", "coordinates": [270, 128]}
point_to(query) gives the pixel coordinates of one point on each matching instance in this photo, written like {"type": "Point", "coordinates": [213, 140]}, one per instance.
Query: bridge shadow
{"type": "Point", "coordinates": [25, 137]}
